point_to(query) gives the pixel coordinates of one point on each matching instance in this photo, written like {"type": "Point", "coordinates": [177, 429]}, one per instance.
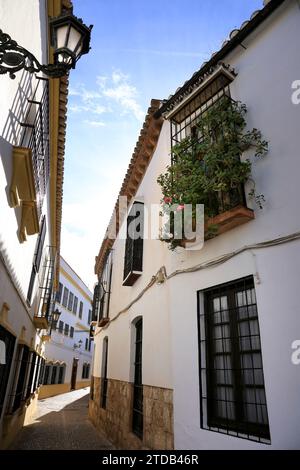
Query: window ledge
{"type": "Point", "coordinates": [40, 323]}
{"type": "Point", "coordinates": [22, 186]}
{"type": "Point", "coordinates": [228, 220]}
{"type": "Point", "coordinates": [131, 278]}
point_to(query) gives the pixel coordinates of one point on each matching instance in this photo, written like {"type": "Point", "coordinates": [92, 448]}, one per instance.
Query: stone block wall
{"type": "Point", "coordinates": [115, 421]}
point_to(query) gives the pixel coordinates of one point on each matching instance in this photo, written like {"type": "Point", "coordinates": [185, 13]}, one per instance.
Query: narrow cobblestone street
{"type": "Point", "coordinates": [62, 423]}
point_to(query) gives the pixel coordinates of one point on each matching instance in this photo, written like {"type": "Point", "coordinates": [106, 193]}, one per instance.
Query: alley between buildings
{"type": "Point", "coordinates": [61, 423]}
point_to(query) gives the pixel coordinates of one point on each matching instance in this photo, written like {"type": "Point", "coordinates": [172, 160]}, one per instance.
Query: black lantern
{"type": "Point", "coordinates": [55, 315]}
{"type": "Point", "coordinates": [69, 37]}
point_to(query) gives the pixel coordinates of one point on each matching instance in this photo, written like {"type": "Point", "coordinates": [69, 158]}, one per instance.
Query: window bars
{"type": "Point", "coordinates": [133, 260]}
{"type": "Point", "coordinates": [137, 414]}
{"type": "Point", "coordinates": [9, 341]}
{"type": "Point", "coordinates": [184, 124]}
{"type": "Point", "coordinates": [233, 399]}
{"type": "Point", "coordinates": [46, 288]}
{"type": "Point", "coordinates": [36, 137]}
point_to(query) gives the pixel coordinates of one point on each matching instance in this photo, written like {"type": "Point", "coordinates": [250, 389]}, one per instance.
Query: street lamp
{"type": "Point", "coordinates": [70, 38]}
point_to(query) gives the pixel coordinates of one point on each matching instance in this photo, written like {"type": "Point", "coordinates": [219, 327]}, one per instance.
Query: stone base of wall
{"type": "Point", "coordinates": [116, 420]}
{"type": "Point", "coordinates": [13, 423]}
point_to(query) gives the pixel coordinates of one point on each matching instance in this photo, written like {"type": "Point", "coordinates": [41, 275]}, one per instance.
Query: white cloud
{"type": "Point", "coordinates": [94, 123]}
{"type": "Point", "coordinates": [113, 90]}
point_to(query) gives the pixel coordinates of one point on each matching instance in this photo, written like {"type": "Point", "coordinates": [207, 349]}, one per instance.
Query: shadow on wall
{"type": "Point", "coordinates": [67, 429]}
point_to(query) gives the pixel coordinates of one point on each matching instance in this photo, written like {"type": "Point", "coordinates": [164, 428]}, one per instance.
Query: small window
{"type": "Point", "coordinates": [90, 316]}
{"type": "Point", "coordinates": [85, 371]}
{"type": "Point", "coordinates": [71, 332]}
{"type": "Point", "coordinates": [65, 297]}
{"type": "Point", "coordinates": [80, 310]}
{"type": "Point", "coordinates": [133, 261]}
{"type": "Point", "coordinates": [86, 344]}
{"type": "Point", "coordinates": [59, 293]}
{"type": "Point", "coordinates": [9, 340]}
{"type": "Point", "coordinates": [61, 327]}
{"type": "Point", "coordinates": [66, 329]}
{"type": "Point", "coordinates": [232, 382]}
{"type": "Point", "coordinates": [75, 304]}
{"type": "Point", "coordinates": [46, 375]}
{"type": "Point", "coordinates": [70, 303]}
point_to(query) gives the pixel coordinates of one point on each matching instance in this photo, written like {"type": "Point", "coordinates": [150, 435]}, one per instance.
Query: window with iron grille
{"type": "Point", "coordinates": [233, 399]}
{"type": "Point", "coordinates": [36, 136]}
{"type": "Point", "coordinates": [66, 329]}
{"type": "Point", "coordinates": [37, 373]}
{"type": "Point", "coordinates": [70, 303]}
{"type": "Point", "coordinates": [184, 124]}
{"type": "Point", "coordinates": [75, 304]}
{"type": "Point", "coordinates": [46, 375]}
{"type": "Point", "coordinates": [32, 365]}
{"type": "Point", "coordinates": [71, 332]}
{"type": "Point", "coordinates": [37, 258]}
{"type": "Point", "coordinates": [59, 293]}
{"type": "Point", "coordinates": [61, 326]}
{"type": "Point", "coordinates": [61, 372]}
{"type": "Point", "coordinates": [90, 316]}
{"type": "Point", "coordinates": [133, 259]}
{"type": "Point", "coordinates": [53, 375]}
{"type": "Point", "coordinates": [80, 310]}
{"type": "Point", "coordinates": [21, 370]}
{"type": "Point", "coordinates": [42, 371]}
{"type": "Point", "coordinates": [104, 381]}
{"type": "Point", "coordinates": [65, 297]}
{"type": "Point", "coordinates": [9, 341]}
{"type": "Point", "coordinates": [137, 415]}
{"type": "Point", "coordinates": [86, 344]}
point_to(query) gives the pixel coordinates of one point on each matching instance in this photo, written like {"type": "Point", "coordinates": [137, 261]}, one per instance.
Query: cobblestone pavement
{"type": "Point", "coordinates": [62, 423]}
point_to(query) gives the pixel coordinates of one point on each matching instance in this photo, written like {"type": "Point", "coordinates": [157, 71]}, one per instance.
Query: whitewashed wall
{"type": "Point", "coordinates": [266, 70]}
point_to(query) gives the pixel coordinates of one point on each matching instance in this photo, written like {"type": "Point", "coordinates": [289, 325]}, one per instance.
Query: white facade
{"type": "Point", "coordinates": [266, 68]}
{"type": "Point", "coordinates": [70, 344]}
{"type": "Point", "coordinates": [29, 221]}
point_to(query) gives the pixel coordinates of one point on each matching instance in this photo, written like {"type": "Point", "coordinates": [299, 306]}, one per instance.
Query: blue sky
{"type": "Point", "coordinates": [140, 50]}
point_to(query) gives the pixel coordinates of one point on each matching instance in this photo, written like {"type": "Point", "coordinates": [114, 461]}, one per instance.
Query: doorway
{"type": "Point", "coordinates": [74, 373]}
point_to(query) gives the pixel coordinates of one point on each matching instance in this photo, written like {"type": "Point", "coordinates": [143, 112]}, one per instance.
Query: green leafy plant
{"type": "Point", "coordinates": [207, 167]}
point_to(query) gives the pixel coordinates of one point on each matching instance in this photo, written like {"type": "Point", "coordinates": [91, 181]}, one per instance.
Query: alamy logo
{"type": "Point", "coordinates": [296, 354]}
{"type": "Point", "coordinates": [296, 93]}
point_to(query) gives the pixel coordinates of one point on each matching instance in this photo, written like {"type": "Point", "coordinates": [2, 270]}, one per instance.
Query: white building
{"type": "Point", "coordinates": [160, 380]}
{"type": "Point", "coordinates": [70, 349]}
{"type": "Point", "coordinates": [32, 136]}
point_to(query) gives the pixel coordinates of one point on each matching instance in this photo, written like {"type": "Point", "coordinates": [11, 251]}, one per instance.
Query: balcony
{"type": "Point", "coordinates": [42, 319]}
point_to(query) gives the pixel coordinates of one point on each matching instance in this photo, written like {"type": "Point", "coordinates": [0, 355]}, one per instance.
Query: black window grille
{"type": "Point", "coordinates": [21, 370]}
{"type": "Point", "coordinates": [70, 303]}
{"type": "Point", "coordinates": [86, 344]}
{"type": "Point", "coordinates": [66, 329]}
{"type": "Point", "coordinates": [71, 332]}
{"type": "Point", "coordinates": [42, 372]}
{"type": "Point", "coordinates": [103, 396]}
{"type": "Point", "coordinates": [53, 375]}
{"type": "Point", "coordinates": [61, 326]}
{"type": "Point", "coordinates": [59, 293]}
{"type": "Point", "coordinates": [36, 137]}
{"type": "Point", "coordinates": [61, 375]}
{"type": "Point", "coordinates": [37, 373]}
{"type": "Point", "coordinates": [65, 297]}
{"type": "Point", "coordinates": [83, 370]}
{"type": "Point", "coordinates": [184, 124]}
{"type": "Point", "coordinates": [46, 284]}
{"type": "Point", "coordinates": [133, 260]}
{"type": "Point", "coordinates": [46, 374]}
{"type": "Point", "coordinates": [89, 317]}
{"type": "Point", "coordinates": [9, 341]}
{"type": "Point", "coordinates": [75, 304]}
{"type": "Point", "coordinates": [32, 364]}
{"type": "Point", "coordinates": [233, 399]}
{"type": "Point", "coordinates": [137, 415]}
{"type": "Point", "coordinates": [37, 258]}
{"type": "Point", "coordinates": [80, 310]}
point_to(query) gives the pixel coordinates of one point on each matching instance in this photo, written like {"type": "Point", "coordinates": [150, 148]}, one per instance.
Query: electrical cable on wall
{"type": "Point", "coordinates": [198, 267]}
